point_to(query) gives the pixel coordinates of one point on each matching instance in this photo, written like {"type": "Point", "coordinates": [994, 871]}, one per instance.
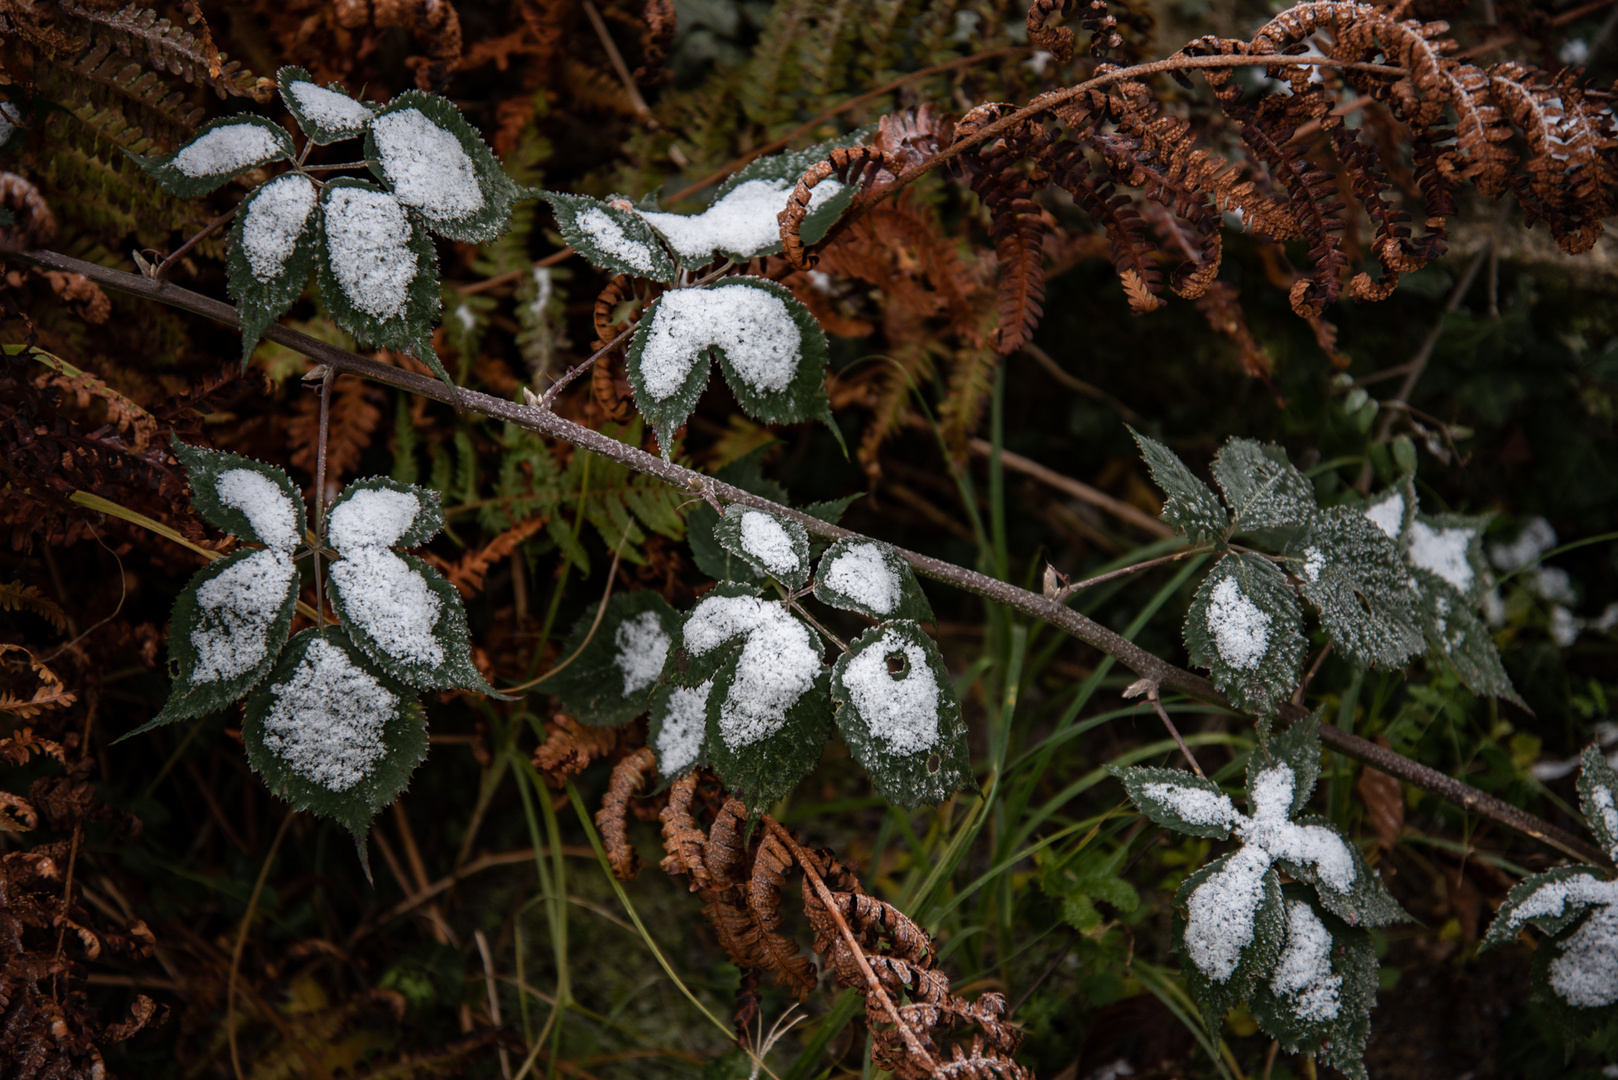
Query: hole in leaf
{"type": "Point", "coordinates": [933, 764]}
{"type": "Point", "coordinates": [898, 665]}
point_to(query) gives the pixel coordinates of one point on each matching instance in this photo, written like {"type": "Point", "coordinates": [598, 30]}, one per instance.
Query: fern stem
{"type": "Point", "coordinates": [545, 422]}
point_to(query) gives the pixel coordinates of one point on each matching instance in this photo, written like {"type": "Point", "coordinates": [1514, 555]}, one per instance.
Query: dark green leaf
{"type": "Point", "coordinates": [382, 508]}
{"type": "Point", "coordinates": [1179, 800]}
{"type": "Point", "coordinates": [1598, 798]}
{"type": "Point", "coordinates": [1261, 487]}
{"type": "Point", "coordinates": [747, 473]}
{"type": "Point", "coordinates": [1245, 626]}
{"type": "Point", "coordinates": [437, 164]}
{"type": "Point", "coordinates": [325, 114]}
{"type": "Point", "coordinates": [1190, 506]}
{"type": "Point", "coordinates": [613, 239]}
{"type": "Point", "coordinates": [678, 727]}
{"type": "Point", "coordinates": [1454, 632]}
{"type": "Point", "coordinates": [272, 250]}
{"type": "Point", "coordinates": [1297, 748]}
{"type": "Point", "coordinates": [1228, 926]}
{"type": "Point", "coordinates": [869, 577]}
{"type": "Point", "coordinates": [897, 712]}
{"type": "Point", "coordinates": [1552, 901]}
{"type": "Point", "coordinates": [228, 626]}
{"type": "Point", "coordinates": [246, 498]}
{"type": "Point", "coordinates": [1365, 902]}
{"type": "Point", "coordinates": [330, 734]}
{"type": "Point", "coordinates": [378, 270]}
{"type": "Point", "coordinates": [1572, 972]}
{"type": "Point", "coordinates": [768, 544]}
{"type": "Point", "coordinates": [615, 664]}
{"type": "Point", "coordinates": [1351, 572]}
{"type": "Point", "coordinates": [222, 149]}
{"type": "Point", "coordinates": [1450, 546]}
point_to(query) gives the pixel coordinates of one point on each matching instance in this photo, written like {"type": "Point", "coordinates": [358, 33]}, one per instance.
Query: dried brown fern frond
{"type": "Point", "coordinates": [17, 699]}
{"type": "Point", "coordinates": [850, 165]}
{"type": "Point", "coordinates": [613, 817]}
{"type": "Point", "coordinates": [15, 596]}
{"type": "Point", "coordinates": [570, 746]}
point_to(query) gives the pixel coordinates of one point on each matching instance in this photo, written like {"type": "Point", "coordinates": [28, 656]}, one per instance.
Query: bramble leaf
{"type": "Point", "coordinates": [614, 239]}
{"type": "Point", "coordinates": [1179, 800]}
{"type": "Point", "coordinates": [246, 498]}
{"type": "Point", "coordinates": [1352, 574]}
{"type": "Point", "coordinates": [1190, 505]}
{"type": "Point", "coordinates": [222, 150]}
{"type": "Point", "coordinates": [1261, 487]}
{"type": "Point", "coordinates": [324, 114]}
{"type": "Point", "coordinates": [1229, 923]}
{"type": "Point", "coordinates": [1246, 627]}
{"type": "Point", "coordinates": [1598, 798]}
{"type": "Point", "coordinates": [1450, 547]}
{"type": "Point", "coordinates": [609, 681]}
{"type": "Point", "coordinates": [1455, 633]}
{"type": "Point", "coordinates": [771, 545]}
{"type": "Point", "coordinates": [897, 712]}
{"type": "Point", "coordinates": [869, 577]}
{"type": "Point", "coordinates": [272, 251]}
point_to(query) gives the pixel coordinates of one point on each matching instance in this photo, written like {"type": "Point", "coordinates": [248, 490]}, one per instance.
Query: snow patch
{"type": "Point", "coordinates": [330, 109]}
{"type": "Point", "coordinates": [426, 165]}
{"type": "Point", "coordinates": [1601, 796]}
{"type": "Point", "coordinates": [753, 327]}
{"type": "Point", "coordinates": [1565, 626]}
{"type": "Point", "coordinates": [1314, 561]}
{"type": "Point", "coordinates": [1443, 552]}
{"type": "Point", "coordinates": [237, 610]}
{"type": "Point", "coordinates": [765, 540]}
{"type": "Point", "coordinates": [1192, 805]}
{"type": "Point", "coordinates": [609, 236]}
{"type": "Point", "coordinates": [1586, 974]}
{"type": "Point", "coordinates": [900, 710]}
{"type": "Point", "coordinates": [643, 645]}
{"type": "Point", "coordinates": [1303, 974]}
{"type": "Point", "coordinates": [275, 219]}
{"type": "Point", "coordinates": [372, 517]}
{"type": "Point", "coordinates": [368, 241]}
{"type": "Point", "coordinates": [862, 574]}
{"type": "Point", "coordinates": [229, 148]}
{"type": "Point", "coordinates": [387, 599]}
{"type": "Point", "coordinates": [1536, 538]}
{"type": "Point", "coordinates": [327, 721]}
{"type": "Point", "coordinates": [1240, 629]}
{"type": "Point", "coordinates": [777, 666]}
{"type": "Point", "coordinates": [744, 221]}
{"type": "Point", "coordinates": [271, 514]}
{"type": "Point", "coordinates": [1389, 514]}
{"type": "Point", "coordinates": [684, 723]}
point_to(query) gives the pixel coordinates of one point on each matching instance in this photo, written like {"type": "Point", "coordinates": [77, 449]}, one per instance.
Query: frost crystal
{"type": "Point", "coordinates": [391, 602]}
{"type": "Point", "coordinates": [643, 645]}
{"type": "Point", "coordinates": [268, 510]}
{"type": "Point", "coordinates": [328, 108]}
{"type": "Point", "coordinates": [372, 517]}
{"type": "Point", "coordinates": [1601, 797]}
{"type": "Point", "coordinates": [744, 221]}
{"type": "Point", "coordinates": [1586, 974]}
{"type": "Point", "coordinates": [1304, 973]}
{"type": "Point", "coordinates": [275, 219]}
{"type": "Point", "coordinates": [765, 540]}
{"type": "Point", "coordinates": [777, 666]}
{"type": "Point", "coordinates": [426, 165]}
{"type": "Point", "coordinates": [228, 148]}
{"type": "Point", "coordinates": [752, 326]}
{"type": "Point", "coordinates": [238, 610]}
{"type": "Point", "coordinates": [328, 719]}
{"type": "Point", "coordinates": [368, 238]}
{"type": "Point", "coordinates": [1314, 561]}
{"type": "Point", "coordinates": [1442, 551]}
{"type": "Point", "coordinates": [609, 236]}
{"type": "Point", "coordinates": [1241, 630]}
{"type": "Point", "coordinates": [901, 711]}
{"type": "Point", "coordinates": [1389, 514]}
{"type": "Point", "coordinates": [863, 575]}
{"type": "Point", "coordinates": [1194, 805]}
{"type": "Point", "coordinates": [680, 740]}
{"type": "Point", "coordinates": [1222, 908]}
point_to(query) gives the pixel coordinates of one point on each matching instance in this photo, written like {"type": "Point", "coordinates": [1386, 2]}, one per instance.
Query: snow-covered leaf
{"type": "Point", "coordinates": [1454, 632]}
{"type": "Point", "coordinates": [770, 545]}
{"type": "Point", "coordinates": [437, 164]}
{"type": "Point", "coordinates": [1228, 925]}
{"type": "Point", "coordinates": [228, 626]}
{"type": "Point", "coordinates": [1297, 748]}
{"type": "Point", "coordinates": [869, 577]}
{"type": "Point", "coordinates": [377, 269]}
{"type": "Point", "coordinates": [769, 711]}
{"type": "Point", "coordinates": [678, 727]}
{"type": "Point", "coordinates": [897, 712]}
{"type": "Point", "coordinates": [222, 149]}
{"type": "Point", "coordinates": [1261, 487]}
{"type": "Point", "coordinates": [1393, 510]}
{"type": "Point", "coordinates": [1352, 574]}
{"type": "Point", "coordinates": [742, 221]}
{"type": "Point", "coordinates": [1318, 998]}
{"type": "Point", "coordinates": [324, 114]}
{"type": "Point", "coordinates": [396, 608]}
{"type": "Point", "coordinates": [1179, 800]}
{"type": "Point", "coordinates": [1190, 505]}
{"type": "Point", "coordinates": [1598, 798]}
{"type": "Point", "coordinates": [1450, 546]}
{"type": "Point", "coordinates": [248, 499]}
{"type": "Point", "coordinates": [1552, 901]}
{"type": "Point", "coordinates": [610, 681]}
{"type": "Point", "coordinates": [1577, 970]}
{"type": "Point", "coordinates": [770, 348]}
{"type": "Point", "coordinates": [332, 735]}
{"type": "Point", "coordinates": [272, 251]}
{"type": "Point", "coordinates": [1315, 852]}
{"type": "Point", "coordinates": [1246, 627]}
{"type": "Point", "coordinates": [612, 238]}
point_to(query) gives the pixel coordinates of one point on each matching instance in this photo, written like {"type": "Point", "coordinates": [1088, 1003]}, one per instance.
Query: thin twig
{"type": "Point", "coordinates": [549, 396]}
{"type": "Point", "coordinates": [918, 1053]}
{"type": "Point", "coordinates": [1066, 591]}
{"type": "Point", "coordinates": [833, 638]}
{"type": "Point", "coordinates": [1320, 658]}
{"type": "Point", "coordinates": [612, 574]}
{"type": "Point", "coordinates": [161, 271]}
{"type": "Point", "coordinates": [494, 995]}
{"type": "Point", "coordinates": [320, 488]}
{"type": "Point", "coordinates": [1034, 605]}
{"type": "Point", "coordinates": [1076, 488]}
{"type": "Point", "coordinates": [241, 942]}
{"type": "Point", "coordinates": [618, 65]}
{"type": "Point", "coordinates": [1174, 732]}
